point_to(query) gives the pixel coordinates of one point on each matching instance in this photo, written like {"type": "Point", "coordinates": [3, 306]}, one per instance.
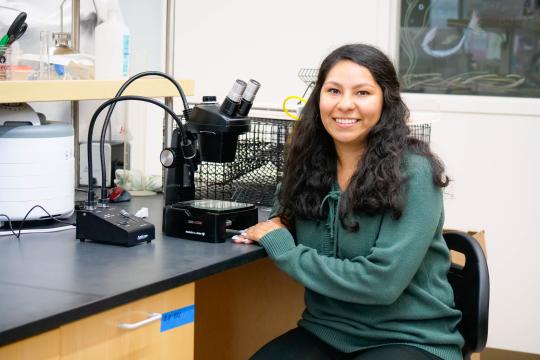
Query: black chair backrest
{"type": "Point", "coordinates": [471, 290]}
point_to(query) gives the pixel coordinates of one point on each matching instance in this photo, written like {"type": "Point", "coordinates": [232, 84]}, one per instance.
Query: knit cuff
{"type": "Point", "coordinates": [277, 242]}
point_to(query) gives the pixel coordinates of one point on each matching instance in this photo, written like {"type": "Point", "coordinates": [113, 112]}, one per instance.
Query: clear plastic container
{"type": "Point", "coordinates": [22, 72]}
{"type": "Point", "coordinates": [45, 43]}
{"type": "Point", "coordinates": [112, 49]}
{"type": "Point", "coordinates": [5, 63]}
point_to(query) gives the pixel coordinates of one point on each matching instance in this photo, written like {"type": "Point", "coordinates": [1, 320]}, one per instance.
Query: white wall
{"type": "Point", "coordinates": [490, 145]}
{"type": "Point", "coordinates": [220, 41]}
{"type": "Point", "coordinates": [492, 151]}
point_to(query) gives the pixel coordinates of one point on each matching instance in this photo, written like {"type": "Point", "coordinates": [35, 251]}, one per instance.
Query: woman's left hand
{"type": "Point", "coordinates": [258, 231]}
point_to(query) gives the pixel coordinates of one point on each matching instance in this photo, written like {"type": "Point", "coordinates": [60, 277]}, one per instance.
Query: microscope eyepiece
{"type": "Point", "coordinates": [251, 90]}
{"type": "Point", "coordinates": [248, 97]}
{"type": "Point", "coordinates": [232, 101]}
{"type": "Point", "coordinates": [237, 90]}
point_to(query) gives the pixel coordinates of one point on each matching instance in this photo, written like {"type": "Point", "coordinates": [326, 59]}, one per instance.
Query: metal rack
{"type": "Point", "coordinates": [309, 77]}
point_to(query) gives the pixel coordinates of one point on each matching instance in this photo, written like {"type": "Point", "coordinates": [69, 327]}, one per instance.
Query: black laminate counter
{"type": "Point", "coordinates": [50, 279]}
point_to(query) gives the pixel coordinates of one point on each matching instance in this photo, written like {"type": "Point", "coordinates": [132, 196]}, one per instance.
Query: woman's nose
{"type": "Point", "coordinates": [346, 102]}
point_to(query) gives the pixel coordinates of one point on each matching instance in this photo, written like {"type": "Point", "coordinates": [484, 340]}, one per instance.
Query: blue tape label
{"type": "Point", "coordinates": [176, 318]}
{"type": "Point", "coordinates": [125, 56]}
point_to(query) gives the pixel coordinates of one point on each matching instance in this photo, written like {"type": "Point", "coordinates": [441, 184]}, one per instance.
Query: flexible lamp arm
{"type": "Point", "coordinates": [111, 108]}
{"type": "Point", "coordinates": [187, 148]}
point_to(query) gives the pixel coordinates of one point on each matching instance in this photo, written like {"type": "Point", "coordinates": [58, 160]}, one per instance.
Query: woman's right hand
{"type": "Point", "coordinates": [258, 231]}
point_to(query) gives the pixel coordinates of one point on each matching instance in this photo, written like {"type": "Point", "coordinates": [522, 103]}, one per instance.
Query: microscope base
{"type": "Point", "coordinates": [207, 220]}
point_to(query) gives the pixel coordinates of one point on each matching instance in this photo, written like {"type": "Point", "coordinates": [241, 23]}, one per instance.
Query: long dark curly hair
{"type": "Point", "coordinates": [377, 184]}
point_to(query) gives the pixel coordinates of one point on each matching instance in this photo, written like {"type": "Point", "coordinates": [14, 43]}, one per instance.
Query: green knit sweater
{"type": "Point", "coordinates": [386, 283]}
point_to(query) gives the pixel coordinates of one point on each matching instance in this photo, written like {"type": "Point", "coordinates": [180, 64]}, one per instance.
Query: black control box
{"type": "Point", "coordinates": [112, 225]}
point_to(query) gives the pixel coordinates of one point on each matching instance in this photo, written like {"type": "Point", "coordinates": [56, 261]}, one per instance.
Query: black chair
{"type": "Point", "coordinates": [471, 290]}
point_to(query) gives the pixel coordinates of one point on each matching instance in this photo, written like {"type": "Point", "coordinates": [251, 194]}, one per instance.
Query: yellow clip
{"type": "Point", "coordinates": [299, 98]}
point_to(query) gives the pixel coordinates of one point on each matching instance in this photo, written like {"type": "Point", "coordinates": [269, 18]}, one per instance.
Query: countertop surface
{"type": "Point", "coordinates": [50, 279]}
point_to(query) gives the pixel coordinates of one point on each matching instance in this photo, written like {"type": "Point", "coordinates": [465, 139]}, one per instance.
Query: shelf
{"type": "Point", "coordinates": [60, 90]}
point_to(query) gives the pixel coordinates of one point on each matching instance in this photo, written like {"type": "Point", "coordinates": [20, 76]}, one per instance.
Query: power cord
{"type": "Point", "coordinates": [17, 235]}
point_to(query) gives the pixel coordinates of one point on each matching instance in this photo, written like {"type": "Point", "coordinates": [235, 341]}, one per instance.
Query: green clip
{"type": "Point", "coordinates": [4, 40]}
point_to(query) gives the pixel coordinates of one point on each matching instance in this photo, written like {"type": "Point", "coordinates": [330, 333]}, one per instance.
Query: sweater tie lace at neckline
{"type": "Point", "coordinates": [332, 198]}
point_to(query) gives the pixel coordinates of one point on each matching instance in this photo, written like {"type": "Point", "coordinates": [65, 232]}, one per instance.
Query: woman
{"type": "Point", "coordinates": [359, 224]}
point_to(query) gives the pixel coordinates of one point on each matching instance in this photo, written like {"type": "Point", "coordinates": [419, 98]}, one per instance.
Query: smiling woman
{"type": "Point", "coordinates": [358, 221]}
{"type": "Point", "coordinates": [350, 103]}
{"type": "Point", "coordinates": [367, 157]}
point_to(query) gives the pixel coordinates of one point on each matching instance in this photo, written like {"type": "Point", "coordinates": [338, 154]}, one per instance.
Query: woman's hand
{"type": "Point", "coordinates": [256, 232]}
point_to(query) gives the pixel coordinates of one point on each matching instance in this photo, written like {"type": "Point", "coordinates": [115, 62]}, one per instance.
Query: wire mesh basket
{"type": "Point", "coordinates": [258, 166]}
{"type": "Point", "coordinates": [421, 131]}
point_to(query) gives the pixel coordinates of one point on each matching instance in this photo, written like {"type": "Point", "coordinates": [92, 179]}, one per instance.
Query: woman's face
{"type": "Point", "coordinates": [350, 103]}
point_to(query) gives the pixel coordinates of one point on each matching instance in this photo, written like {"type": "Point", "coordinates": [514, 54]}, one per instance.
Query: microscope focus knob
{"type": "Point", "coordinates": [168, 157]}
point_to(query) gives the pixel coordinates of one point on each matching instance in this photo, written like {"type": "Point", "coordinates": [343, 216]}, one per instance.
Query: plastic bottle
{"type": "Point", "coordinates": [112, 47]}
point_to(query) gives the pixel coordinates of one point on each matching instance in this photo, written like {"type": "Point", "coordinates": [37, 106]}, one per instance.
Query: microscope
{"type": "Point", "coordinates": [210, 133]}
{"type": "Point", "coordinates": [215, 130]}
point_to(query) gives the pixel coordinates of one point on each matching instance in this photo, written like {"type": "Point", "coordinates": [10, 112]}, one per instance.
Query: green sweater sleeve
{"type": "Point", "coordinates": [380, 277]}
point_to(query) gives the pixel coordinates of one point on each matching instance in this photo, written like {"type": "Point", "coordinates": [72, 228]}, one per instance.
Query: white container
{"type": "Point", "coordinates": [36, 168]}
{"type": "Point", "coordinates": [112, 49]}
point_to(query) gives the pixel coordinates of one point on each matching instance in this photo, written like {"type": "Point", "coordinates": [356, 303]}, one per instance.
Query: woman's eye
{"type": "Point", "coordinates": [363, 93]}
{"type": "Point", "coordinates": [333, 91]}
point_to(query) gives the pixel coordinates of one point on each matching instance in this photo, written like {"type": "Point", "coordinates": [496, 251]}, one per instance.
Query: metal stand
{"type": "Point", "coordinates": [169, 69]}
{"type": "Point", "coordinates": [75, 44]}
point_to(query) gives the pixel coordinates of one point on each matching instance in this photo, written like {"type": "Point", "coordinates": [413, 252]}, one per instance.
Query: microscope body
{"type": "Point", "coordinates": [215, 136]}
{"type": "Point", "coordinates": [214, 131]}
{"type": "Point", "coordinates": [180, 177]}
{"type": "Point", "coordinates": [217, 132]}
